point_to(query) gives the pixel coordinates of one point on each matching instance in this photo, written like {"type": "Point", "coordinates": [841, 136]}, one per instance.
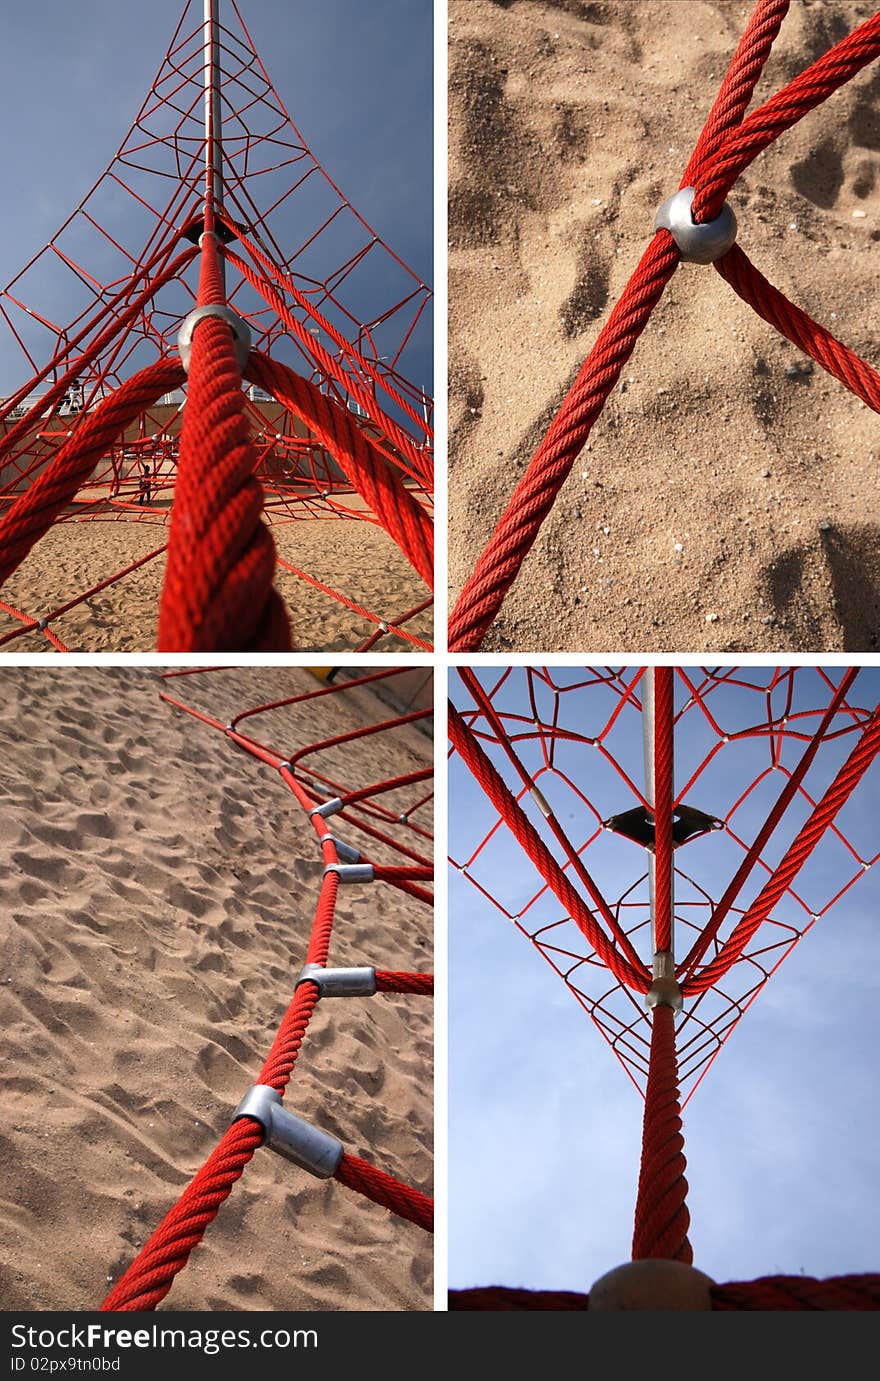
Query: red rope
{"type": "Point", "coordinates": [662, 1218]}
{"type": "Point", "coordinates": [218, 594]}
{"type": "Point", "coordinates": [502, 1299]}
{"type": "Point", "coordinates": [381, 489]}
{"type": "Point", "coordinates": [799, 1292]}
{"type": "Point", "coordinates": [518, 823]}
{"type": "Point", "coordinates": [814, 340]}
{"type": "Point", "coordinates": [795, 857]}
{"type": "Point", "coordinates": [549, 468]}
{"type": "Point", "coordinates": [390, 982]}
{"type": "Point", "coordinates": [36, 510]}
{"type": "Point", "coordinates": [662, 796]}
{"type": "Point", "coordinates": [727, 144]}
{"type": "Point", "coordinates": [384, 1189]}
{"type": "Point", "coordinates": [769, 1293]}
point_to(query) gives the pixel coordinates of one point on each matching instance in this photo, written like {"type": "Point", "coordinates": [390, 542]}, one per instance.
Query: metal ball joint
{"type": "Point", "coordinates": [652, 1285]}
{"type": "Point", "coordinates": [240, 331]}
{"type": "Point", "coordinates": [697, 244]}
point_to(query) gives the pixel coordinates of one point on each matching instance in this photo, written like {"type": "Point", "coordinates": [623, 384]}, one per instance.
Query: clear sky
{"type": "Point", "coordinates": [356, 79]}
{"type": "Point", "coordinates": [545, 1128]}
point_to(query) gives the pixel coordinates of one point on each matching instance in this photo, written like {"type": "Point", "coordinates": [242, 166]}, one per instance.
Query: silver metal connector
{"type": "Point", "coordinates": [346, 853]}
{"type": "Point", "coordinates": [308, 1147]}
{"type": "Point", "coordinates": [697, 244]}
{"type": "Point", "coordinates": [327, 807]}
{"type": "Point", "coordinates": [351, 872]}
{"type": "Point", "coordinates": [340, 982]}
{"type": "Point", "coordinates": [665, 990]}
{"type": "Point", "coordinates": [240, 331]}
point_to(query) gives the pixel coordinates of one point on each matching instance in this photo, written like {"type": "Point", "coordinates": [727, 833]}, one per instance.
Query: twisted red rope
{"type": "Point", "coordinates": [662, 1218]}
{"type": "Point", "coordinates": [384, 1189]}
{"type": "Point", "coordinates": [218, 593]}
{"type": "Point", "coordinates": [663, 794]}
{"type": "Point", "coordinates": [472, 754]}
{"type": "Point", "coordinates": [794, 859]}
{"type": "Point", "coordinates": [390, 982]}
{"type": "Point", "coordinates": [769, 1293]}
{"type": "Point", "coordinates": [34, 512]}
{"type": "Point", "coordinates": [727, 145]}
{"type": "Point", "coordinates": [381, 489]}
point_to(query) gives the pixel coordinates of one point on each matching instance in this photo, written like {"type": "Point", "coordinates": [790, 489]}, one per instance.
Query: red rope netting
{"type": "Point", "coordinates": [381, 820]}
{"type": "Point", "coordinates": [728, 144]}
{"type": "Point", "coordinates": [327, 424]}
{"type": "Point", "coordinates": [669, 832]}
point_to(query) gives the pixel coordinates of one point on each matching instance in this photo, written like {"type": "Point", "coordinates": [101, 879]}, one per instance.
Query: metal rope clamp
{"type": "Point", "coordinates": [351, 872]}
{"type": "Point", "coordinates": [339, 982]}
{"type": "Point", "coordinates": [308, 1147]}
{"type": "Point", "coordinates": [327, 807]}
{"type": "Point", "coordinates": [346, 853]}
{"type": "Point", "coordinates": [240, 332]}
{"type": "Point", "coordinates": [697, 244]}
{"type": "Point", "coordinates": [665, 990]}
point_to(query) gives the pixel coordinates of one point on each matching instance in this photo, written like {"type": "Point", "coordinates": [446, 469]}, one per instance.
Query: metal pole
{"type": "Point", "coordinates": [213, 117]}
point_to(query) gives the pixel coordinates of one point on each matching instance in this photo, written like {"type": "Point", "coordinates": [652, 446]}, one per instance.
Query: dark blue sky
{"type": "Point", "coordinates": [356, 79]}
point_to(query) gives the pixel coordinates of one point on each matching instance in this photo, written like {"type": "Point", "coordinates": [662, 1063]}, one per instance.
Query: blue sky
{"type": "Point", "coordinates": [356, 79]}
{"type": "Point", "coordinates": [545, 1127]}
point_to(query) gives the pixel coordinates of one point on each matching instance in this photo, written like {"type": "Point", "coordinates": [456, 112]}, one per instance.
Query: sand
{"type": "Point", "coordinates": [157, 891]}
{"type": "Point", "coordinates": [720, 504]}
{"type": "Point", "coordinates": [358, 559]}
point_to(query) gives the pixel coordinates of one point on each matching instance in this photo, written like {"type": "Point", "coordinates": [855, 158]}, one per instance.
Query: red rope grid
{"type": "Point", "coordinates": [729, 142]}
{"type": "Point", "coordinates": [331, 427]}
{"type": "Point", "coordinates": [148, 1279]}
{"type": "Point", "coordinates": [760, 765]}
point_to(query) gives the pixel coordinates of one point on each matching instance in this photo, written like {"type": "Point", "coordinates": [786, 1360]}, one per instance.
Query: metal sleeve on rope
{"type": "Point", "coordinates": [697, 244]}
{"type": "Point", "coordinates": [353, 982]}
{"type": "Point", "coordinates": [347, 852]}
{"type": "Point", "coordinates": [240, 331]}
{"type": "Point", "coordinates": [308, 1147]}
{"type": "Point", "coordinates": [351, 872]}
{"type": "Point", "coordinates": [327, 807]}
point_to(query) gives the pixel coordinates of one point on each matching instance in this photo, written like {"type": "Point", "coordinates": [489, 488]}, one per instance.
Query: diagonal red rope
{"type": "Point", "coordinates": [467, 746]}
{"type": "Point", "coordinates": [34, 512]}
{"type": "Point", "coordinates": [725, 148]}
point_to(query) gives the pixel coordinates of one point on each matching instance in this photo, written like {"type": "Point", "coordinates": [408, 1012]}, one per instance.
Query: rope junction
{"type": "Point", "coordinates": [392, 815]}
{"type": "Point", "coordinates": [728, 144]}
{"type": "Point", "coordinates": [739, 832]}
{"type": "Point", "coordinates": [316, 421]}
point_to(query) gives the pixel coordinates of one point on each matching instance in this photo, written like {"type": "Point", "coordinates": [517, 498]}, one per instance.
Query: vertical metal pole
{"type": "Point", "coordinates": [648, 734]}
{"type": "Point", "coordinates": [213, 118]}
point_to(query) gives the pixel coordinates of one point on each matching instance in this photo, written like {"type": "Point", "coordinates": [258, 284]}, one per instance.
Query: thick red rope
{"type": "Point", "coordinates": [662, 1218]}
{"type": "Point", "coordinates": [769, 1293]}
{"type": "Point", "coordinates": [391, 982]}
{"type": "Point", "coordinates": [727, 145]}
{"type": "Point", "coordinates": [218, 594]}
{"type": "Point", "coordinates": [372, 476]}
{"type": "Point", "coordinates": [795, 857]}
{"type": "Point", "coordinates": [663, 793]}
{"type": "Point", "coordinates": [36, 510]}
{"type": "Point", "coordinates": [472, 754]}
{"type": "Point", "coordinates": [384, 1189]}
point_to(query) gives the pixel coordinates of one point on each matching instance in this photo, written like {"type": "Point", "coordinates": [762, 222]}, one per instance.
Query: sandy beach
{"type": "Point", "coordinates": [358, 559]}
{"type": "Point", "coordinates": [158, 888]}
{"type": "Point", "coordinates": [722, 501]}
